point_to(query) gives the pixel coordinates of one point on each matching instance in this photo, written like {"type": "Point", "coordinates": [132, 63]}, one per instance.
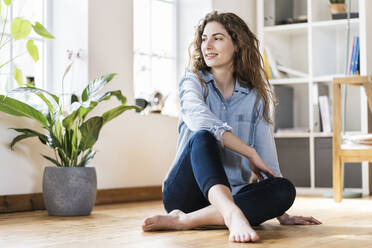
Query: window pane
{"type": "Point", "coordinates": [142, 76]}
{"type": "Point", "coordinates": [27, 64]}
{"type": "Point", "coordinates": [6, 83]}
{"type": "Point", "coordinates": [5, 15]}
{"type": "Point", "coordinates": [5, 56]}
{"type": "Point", "coordinates": [163, 74]}
{"type": "Point", "coordinates": [31, 10]}
{"type": "Point", "coordinates": [162, 25]}
{"type": "Point", "coordinates": [141, 26]}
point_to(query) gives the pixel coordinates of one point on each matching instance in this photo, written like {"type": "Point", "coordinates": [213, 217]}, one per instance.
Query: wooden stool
{"type": "Point", "coordinates": [349, 153]}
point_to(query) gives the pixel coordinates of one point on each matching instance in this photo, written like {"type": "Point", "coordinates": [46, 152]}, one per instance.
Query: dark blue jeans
{"type": "Point", "coordinates": [200, 167]}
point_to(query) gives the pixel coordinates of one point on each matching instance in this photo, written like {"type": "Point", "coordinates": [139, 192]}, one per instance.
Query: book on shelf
{"type": "Point", "coordinates": [354, 54]}
{"type": "Point", "coordinates": [267, 67]}
{"type": "Point", "coordinates": [275, 70]}
{"type": "Point", "coordinates": [272, 63]}
{"type": "Point", "coordinates": [325, 114]}
{"type": "Point", "coordinates": [319, 89]}
{"type": "Point", "coordinates": [292, 72]}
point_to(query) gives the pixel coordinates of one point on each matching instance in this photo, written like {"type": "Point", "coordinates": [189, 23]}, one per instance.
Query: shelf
{"type": "Point", "coordinates": [292, 135]}
{"type": "Point", "coordinates": [321, 134]}
{"type": "Point", "coordinates": [352, 146]}
{"type": "Point", "coordinates": [290, 29]}
{"type": "Point", "coordinates": [327, 78]}
{"type": "Point", "coordinates": [280, 81]}
{"type": "Point", "coordinates": [336, 25]}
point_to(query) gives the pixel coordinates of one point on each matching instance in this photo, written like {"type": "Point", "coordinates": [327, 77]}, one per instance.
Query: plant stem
{"type": "Point", "coordinates": [6, 19]}
{"type": "Point", "coordinates": [55, 154]}
{"type": "Point", "coordinates": [12, 59]}
{"type": "Point", "coordinates": [6, 42]}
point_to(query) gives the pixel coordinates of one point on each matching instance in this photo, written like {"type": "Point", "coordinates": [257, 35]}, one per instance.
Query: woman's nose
{"type": "Point", "coordinates": [208, 43]}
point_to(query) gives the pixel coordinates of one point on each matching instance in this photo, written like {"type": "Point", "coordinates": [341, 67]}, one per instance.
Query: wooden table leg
{"type": "Point", "coordinates": [336, 144]}
{"type": "Point", "coordinates": [337, 180]}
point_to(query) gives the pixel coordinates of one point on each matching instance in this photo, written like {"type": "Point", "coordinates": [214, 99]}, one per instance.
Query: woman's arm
{"type": "Point", "coordinates": [195, 112]}
{"type": "Point", "coordinates": [256, 163]}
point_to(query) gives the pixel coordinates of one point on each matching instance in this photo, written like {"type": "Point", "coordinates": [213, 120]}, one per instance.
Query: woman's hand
{"type": "Point", "coordinates": [256, 163]}
{"type": "Point", "coordinates": [259, 166]}
{"type": "Point", "coordinates": [286, 219]}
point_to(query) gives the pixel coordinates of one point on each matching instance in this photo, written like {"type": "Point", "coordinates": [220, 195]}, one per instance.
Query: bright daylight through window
{"type": "Point", "coordinates": [13, 54]}
{"type": "Point", "coordinates": [155, 54]}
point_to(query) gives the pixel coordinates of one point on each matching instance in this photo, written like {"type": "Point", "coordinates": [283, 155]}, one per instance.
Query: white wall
{"type": "Point", "coordinates": [133, 150]}
{"type": "Point", "coordinates": [71, 34]}
{"type": "Point", "coordinates": [192, 11]}
{"type": "Point", "coordinates": [245, 9]}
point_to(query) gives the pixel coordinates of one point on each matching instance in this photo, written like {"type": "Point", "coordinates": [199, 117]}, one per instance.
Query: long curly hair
{"type": "Point", "coordinates": [248, 62]}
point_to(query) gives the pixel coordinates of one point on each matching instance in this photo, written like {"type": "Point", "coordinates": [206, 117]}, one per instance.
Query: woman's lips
{"type": "Point", "coordinates": [210, 56]}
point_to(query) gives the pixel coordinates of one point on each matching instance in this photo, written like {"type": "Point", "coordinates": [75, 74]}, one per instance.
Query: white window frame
{"type": "Point", "coordinates": [151, 55]}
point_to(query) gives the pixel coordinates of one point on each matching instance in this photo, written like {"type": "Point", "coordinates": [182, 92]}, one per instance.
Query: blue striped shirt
{"type": "Point", "coordinates": [217, 115]}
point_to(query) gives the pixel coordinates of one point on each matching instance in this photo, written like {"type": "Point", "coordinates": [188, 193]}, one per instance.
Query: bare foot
{"type": "Point", "coordinates": [172, 221]}
{"type": "Point", "coordinates": [239, 227]}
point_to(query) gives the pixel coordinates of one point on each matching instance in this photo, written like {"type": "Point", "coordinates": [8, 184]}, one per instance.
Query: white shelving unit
{"type": "Point", "coordinates": [317, 48]}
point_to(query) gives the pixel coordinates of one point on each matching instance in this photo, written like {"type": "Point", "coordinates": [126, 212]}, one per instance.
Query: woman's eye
{"type": "Point", "coordinates": [217, 38]}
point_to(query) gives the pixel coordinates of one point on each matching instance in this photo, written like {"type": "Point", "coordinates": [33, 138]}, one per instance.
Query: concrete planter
{"type": "Point", "coordinates": [69, 191]}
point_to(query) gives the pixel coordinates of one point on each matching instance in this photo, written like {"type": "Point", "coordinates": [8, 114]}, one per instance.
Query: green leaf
{"type": "Point", "coordinates": [19, 138]}
{"type": "Point", "coordinates": [42, 31]}
{"type": "Point", "coordinates": [106, 96]}
{"type": "Point", "coordinates": [8, 2]}
{"type": "Point", "coordinates": [86, 159]}
{"type": "Point", "coordinates": [52, 160]}
{"type": "Point", "coordinates": [74, 141]}
{"type": "Point", "coordinates": [20, 28]}
{"type": "Point", "coordinates": [74, 98]}
{"type": "Point", "coordinates": [54, 142]}
{"type": "Point", "coordinates": [69, 120]}
{"type": "Point", "coordinates": [88, 106]}
{"type": "Point", "coordinates": [18, 76]}
{"type": "Point", "coordinates": [96, 85]}
{"type": "Point", "coordinates": [51, 100]}
{"type": "Point", "coordinates": [27, 133]}
{"type": "Point", "coordinates": [111, 114]}
{"type": "Point", "coordinates": [32, 50]}
{"type": "Point", "coordinates": [14, 107]}
{"type": "Point", "coordinates": [89, 132]}
{"type": "Point", "coordinates": [62, 156]}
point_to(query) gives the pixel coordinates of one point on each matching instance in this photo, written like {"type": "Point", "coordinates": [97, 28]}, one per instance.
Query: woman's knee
{"type": "Point", "coordinates": [285, 193]}
{"type": "Point", "coordinates": [203, 136]}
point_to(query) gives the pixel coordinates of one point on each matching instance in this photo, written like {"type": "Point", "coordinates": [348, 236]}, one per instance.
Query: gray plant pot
{"type": "Point", "coordinates": [69, 191]}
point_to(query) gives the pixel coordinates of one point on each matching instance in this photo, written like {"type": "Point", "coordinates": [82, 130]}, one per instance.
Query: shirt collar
{"type": "Point", "coordinates": [208, 78]}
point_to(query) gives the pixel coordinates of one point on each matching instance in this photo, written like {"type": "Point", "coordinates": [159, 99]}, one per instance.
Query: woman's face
{"type": "Point", "coordinates": [217, 46]}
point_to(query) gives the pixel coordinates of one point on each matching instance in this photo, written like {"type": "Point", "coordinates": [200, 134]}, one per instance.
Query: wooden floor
{"type": "Point", "coordinates": [348, 224]}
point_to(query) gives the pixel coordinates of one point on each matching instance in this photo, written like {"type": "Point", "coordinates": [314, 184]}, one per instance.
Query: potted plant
{"type": "Point", "coordinates": [337, 6]}
{"type": "Point", "coordinates": [69, 188]}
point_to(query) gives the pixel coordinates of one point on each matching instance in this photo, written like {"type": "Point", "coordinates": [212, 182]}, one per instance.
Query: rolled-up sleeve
{"type": "Point", "coordinates": [195, 112]}
{"type": "Point", "coordinates": [264, 143]}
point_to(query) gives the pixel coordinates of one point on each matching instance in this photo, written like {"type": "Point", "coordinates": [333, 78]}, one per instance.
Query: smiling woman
{"type": "Point", "coordinates": [226, 139]}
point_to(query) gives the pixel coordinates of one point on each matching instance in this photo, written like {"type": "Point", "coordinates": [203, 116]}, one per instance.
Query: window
{"type": "Point", "coordinates": [154, 48]}
{"type": "Point", "coordinates": [15, 51]}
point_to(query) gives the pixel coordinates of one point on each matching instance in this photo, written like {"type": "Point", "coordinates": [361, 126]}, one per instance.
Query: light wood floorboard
{"type": "Point", "coordinates": [345, 224]}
